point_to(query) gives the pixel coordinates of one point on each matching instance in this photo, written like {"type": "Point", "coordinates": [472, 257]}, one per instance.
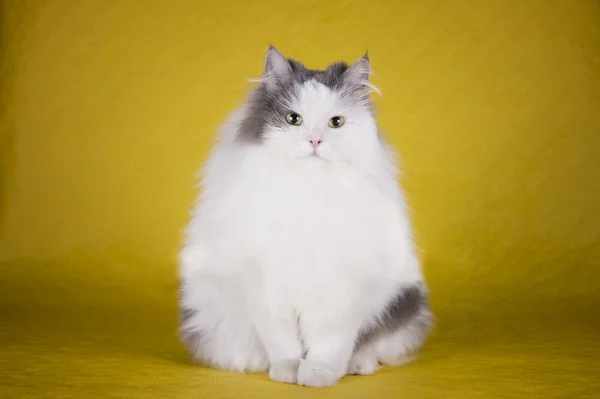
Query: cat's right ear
{"type": "Point", "coordinates": [277, 66]}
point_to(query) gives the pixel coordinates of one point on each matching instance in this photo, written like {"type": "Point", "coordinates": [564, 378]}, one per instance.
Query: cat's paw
{"type": "Point", "coordinates": [284, 371]}
{"type": "Point", "coordinates": [317, 374]}
{"type": "Point", "coordinates": [364, 363]}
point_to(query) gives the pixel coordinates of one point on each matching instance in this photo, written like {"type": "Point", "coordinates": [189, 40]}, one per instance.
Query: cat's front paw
{"type": "Point", "coordinates": [284, 371]}
{"type": "Point", "coordinates": [317, 374]}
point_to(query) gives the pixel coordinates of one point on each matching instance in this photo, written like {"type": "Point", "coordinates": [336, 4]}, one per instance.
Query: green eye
{"type": "Point", "coordinates": [293, 119]}
{"type": "Point", "coordinates": [336, 121]}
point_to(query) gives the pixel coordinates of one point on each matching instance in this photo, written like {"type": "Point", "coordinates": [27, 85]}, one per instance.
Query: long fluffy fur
{"type": "Point", "coordinates": [298, 261]}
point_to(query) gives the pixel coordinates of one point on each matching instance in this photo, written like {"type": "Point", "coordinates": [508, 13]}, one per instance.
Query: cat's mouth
{"type": "Point", "coordinates": [315, 155]}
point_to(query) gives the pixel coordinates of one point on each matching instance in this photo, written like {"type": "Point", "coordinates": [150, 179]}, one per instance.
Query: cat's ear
{"type": "Point", "coordinates": [276, 65]}
{"type": "Point", "coordinates": [358, 74]}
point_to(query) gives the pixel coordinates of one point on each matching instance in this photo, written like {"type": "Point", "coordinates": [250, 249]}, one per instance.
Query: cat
{"type": "Point", "coordinates": [298, 259]}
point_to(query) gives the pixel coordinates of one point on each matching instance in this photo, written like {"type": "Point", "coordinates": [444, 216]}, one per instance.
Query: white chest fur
{"type": "Point", "coordinates": [303, 228]}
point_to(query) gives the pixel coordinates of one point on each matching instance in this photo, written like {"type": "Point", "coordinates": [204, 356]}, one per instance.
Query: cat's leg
{"type": "Point", "coordinates": [344, 330]}
{"type": "Point", "coordinates": [280, 338]}
{"type": "Point", "coordinates": [396, 348]}
{"type": "Point", "coordinates": [329, 341]}
{"type": "Point", "coordinates": [399, 331]}
{"type": "Point", "coordinates": [364, 361]}
{"type": "Point", "coordinates": [216, 327]}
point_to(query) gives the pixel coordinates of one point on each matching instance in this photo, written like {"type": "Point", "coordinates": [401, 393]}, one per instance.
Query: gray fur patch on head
{"type": "Point", "coordinates": [269, 103]}
{"type": "Point", "coordinates": [404, 310]}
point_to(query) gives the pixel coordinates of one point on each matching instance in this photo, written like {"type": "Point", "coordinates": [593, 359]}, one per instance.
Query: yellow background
{"type": "Point", "coordinates": [107, 108]}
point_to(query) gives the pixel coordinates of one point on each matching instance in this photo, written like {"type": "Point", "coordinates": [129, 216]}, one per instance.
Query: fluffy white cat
{"type": "Point", "coordinates": [298, 259]}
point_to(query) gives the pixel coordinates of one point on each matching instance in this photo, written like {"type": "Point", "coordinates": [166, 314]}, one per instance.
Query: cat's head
{"type": "Point", "coordinates": [301, 113]}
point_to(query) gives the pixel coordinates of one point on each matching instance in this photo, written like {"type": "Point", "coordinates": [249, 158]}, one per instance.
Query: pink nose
{"type": "Point", "coordinates": [315, 143]}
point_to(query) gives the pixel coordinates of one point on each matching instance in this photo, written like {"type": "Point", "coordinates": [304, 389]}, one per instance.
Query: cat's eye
{"type": "Point", "coordinates": [293, 119]}
{"type": "Point", "coordinates": [336, 121]}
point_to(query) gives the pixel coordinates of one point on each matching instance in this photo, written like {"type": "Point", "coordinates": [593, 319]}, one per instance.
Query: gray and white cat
{"type": "Point", "coordinates": [298, 259]}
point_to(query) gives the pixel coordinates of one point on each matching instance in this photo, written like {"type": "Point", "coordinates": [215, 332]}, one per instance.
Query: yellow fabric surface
{"type": "Point", "coordinates": [107, 109]}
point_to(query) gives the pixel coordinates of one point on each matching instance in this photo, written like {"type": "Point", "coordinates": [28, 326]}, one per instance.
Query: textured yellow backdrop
{"type": "Point", "coordinates": [107, 109]}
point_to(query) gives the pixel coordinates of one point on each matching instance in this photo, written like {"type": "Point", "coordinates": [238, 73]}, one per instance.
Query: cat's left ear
{"type": "Point", "coordinates": [358, 75]}
{"type": "Point", "coordinates": [359, 72]}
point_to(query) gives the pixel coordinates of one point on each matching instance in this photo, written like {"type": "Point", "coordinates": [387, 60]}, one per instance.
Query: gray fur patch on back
{"type": "Point", "coordinates": [267, 104]}
{"type": "Point", "coordinates": [186, 314]}
{"type": "Point", "coordinates": [190, 337]}
{"type": "Point", "coordinates": [402, 310]}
